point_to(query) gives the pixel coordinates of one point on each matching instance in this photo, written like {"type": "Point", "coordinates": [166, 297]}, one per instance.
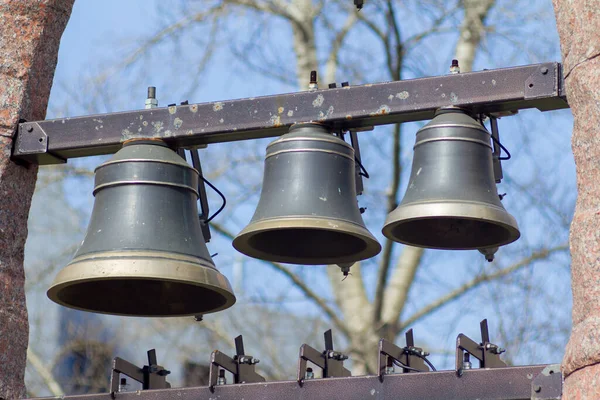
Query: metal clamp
{"type": "Point", "coordinates": [486, 352]}
{"type": "Point", "coordinates": [330, 361]}
{"type": "Point", "coordinates": [242, 366]}
{"type": "Point", "coordinates": [410, 358]}
{"type": "Point", "coordinates": [204, 210]}
{"type": "Point", "coordinates": [151, 376]}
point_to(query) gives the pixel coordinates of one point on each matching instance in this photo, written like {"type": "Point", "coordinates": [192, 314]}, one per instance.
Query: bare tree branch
{"type": "Point", "coordinates": [471, 31]}
{"type": "Point", "coordinates": [351, 297]}
{"type": "Point", "coordinates": [473, 283]}
{"type": "Point", "coordinates": [331, 65]}
{"type": "Point", "coordinates": [392, 202]}
{"type": "Point", "coordinates": [40, 367]}
{"type": "Point", "coordinates": [398, 288]}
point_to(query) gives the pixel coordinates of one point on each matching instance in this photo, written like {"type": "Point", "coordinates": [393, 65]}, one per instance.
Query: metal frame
{"type": "Point", "coordinates": [499, 91]}
{"type": "Point", "coordinates": [511, 383]}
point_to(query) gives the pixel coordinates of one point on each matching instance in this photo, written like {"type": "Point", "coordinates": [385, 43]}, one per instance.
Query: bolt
{"type": "Point", "coordinates": [151, 101]}
{"type": "Point", "coordinates": [29, 128]}
{"type": "Point", "coordinates": [221, 380]}
{"type": "Point", "coordinates": [537, 388]}
{"type": "Point", "coordinates": [309, 373]}
{"type": "Point", "coordinates": [454, 67]}
{"type": "Point", "coordinates": [313, 84]}
{"type": "Point", "coordinates": [544, 70]}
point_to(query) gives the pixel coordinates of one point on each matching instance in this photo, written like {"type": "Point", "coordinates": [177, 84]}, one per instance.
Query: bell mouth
{"type": "Point", "coordinates": [142, 284]}
{"type": "Point", "coordinates": [451, 225]}
{"type": "Point", "coordinates": [307, 241]}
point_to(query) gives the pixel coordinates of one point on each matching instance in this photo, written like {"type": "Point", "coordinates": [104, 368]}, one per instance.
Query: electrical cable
{"type": "Point", "coordinates": [399, 364]}
{"type": "Point", "coordinates": [427, 361]}
{"type": "Point", "coordinates": [220, 194]}
{"type": "Point", "coordinates": [363, 170]}
{"type": "Point", "coordinates": [502, 147]}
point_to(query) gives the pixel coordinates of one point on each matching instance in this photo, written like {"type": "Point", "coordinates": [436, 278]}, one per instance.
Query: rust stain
{"type": "Point", "coordinates": [280, 110]}
{"type": "Point", "coordinates": [382, 110]}
{"type": "Point", "coordinates": [275, 120]}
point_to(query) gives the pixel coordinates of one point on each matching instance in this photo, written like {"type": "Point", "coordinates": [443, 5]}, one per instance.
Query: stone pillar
{"type": "Point", "coordinates": [579, 29]}
{"type": "Point", "coordinates": [30, 32]}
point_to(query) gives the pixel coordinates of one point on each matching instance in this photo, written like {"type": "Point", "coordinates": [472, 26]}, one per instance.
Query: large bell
{"type": "Point", "coordinates": [144, 253]}
{"type": "Point", "coordinates": [308, 212]}
{"type": "Point", "coordinates": [452, 201]}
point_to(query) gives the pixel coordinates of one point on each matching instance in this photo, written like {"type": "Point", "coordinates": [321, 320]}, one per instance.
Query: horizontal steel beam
{"type": "Point", "coordinates": [352, 107]}
{"type": "Point", "coordinates": [512, 383]}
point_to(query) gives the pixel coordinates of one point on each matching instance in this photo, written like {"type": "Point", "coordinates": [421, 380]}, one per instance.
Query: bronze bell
{"type": "Point", "coordinates": [144, 253]}
{"type": "Point", "coordinates": [308, 212]}
{"type": "Point", "coordinates": [451, 201]}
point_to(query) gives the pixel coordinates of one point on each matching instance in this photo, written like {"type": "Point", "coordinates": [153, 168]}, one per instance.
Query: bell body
{"type": "Point", "coordinates": [451, 201]}
{"type": "Point", "coordinates": [308, 212]}
{"type": "Point", "coordinates": [144, 253]}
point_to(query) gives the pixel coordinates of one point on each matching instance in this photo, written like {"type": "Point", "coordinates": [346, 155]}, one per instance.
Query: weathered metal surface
{"type": "Point", "coordinates": [547, 385]}
{"type": "Point", "coordinates": [500, 90]}
{"type": "Point", "coordinates": [513, 383]}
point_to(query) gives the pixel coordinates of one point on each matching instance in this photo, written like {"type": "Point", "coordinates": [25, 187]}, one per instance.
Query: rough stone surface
{"type": "Point", "coordinates": [578, 24]}
{"type": "Point", "coordinates": [30, 33]}
{"type": "Point", "coordinates": [583, 384]}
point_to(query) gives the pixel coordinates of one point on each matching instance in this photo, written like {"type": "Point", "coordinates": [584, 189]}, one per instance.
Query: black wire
{"type": "Point", "coordinates": [363, 171]}
{"type": "Point", "coordinates": [427, 361]}
{"type": "Point", "coordinates": [399, 364]}
{"type": "Point", "coordinates": [220, 194]}
{"type": "Point", "coordinates": [503, 148]}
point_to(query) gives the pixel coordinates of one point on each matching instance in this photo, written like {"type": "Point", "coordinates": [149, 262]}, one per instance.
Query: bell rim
{"type": "Point", "coordinates": [446, 209]}
{"type": "Point", "coordinates": [372, 248]}
{"type": "Point", "coordinates": [105, 266]}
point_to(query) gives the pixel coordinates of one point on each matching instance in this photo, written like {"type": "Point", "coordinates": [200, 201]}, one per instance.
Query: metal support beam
{"type": "Point", "coordinates": [512, 383]}
{"type": "Point", "coordinates": [351, 107]}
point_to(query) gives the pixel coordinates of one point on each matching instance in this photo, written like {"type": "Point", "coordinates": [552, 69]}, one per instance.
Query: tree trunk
{"type": "Point", "coordinates": [579, 30]}
{"type": "Point", "coordinates": [30, 33]}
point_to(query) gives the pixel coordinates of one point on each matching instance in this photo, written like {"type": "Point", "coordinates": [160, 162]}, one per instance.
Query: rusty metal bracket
{"type": "Point", "coordinates": [242, 366]}
{"type": "Point", "coordinates": [329, 360]}
{"type": "Point", "coordinates": [151, 376]}
{"type": "Point", "coordinates": [486, 352]}
{"type": "Point", "coordinates": [547, 385]}
{"type": "Point", "coordinates": [409, 356]}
